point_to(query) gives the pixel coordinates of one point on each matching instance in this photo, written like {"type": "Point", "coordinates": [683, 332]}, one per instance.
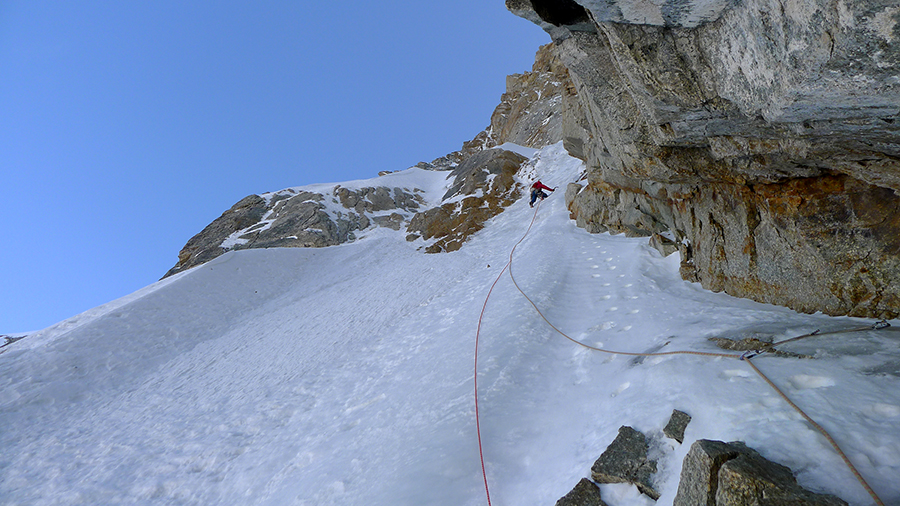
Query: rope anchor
{"type": "Point", "coordinates": [747, 355]}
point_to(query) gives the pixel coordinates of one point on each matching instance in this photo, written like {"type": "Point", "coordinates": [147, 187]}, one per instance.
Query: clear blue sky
{"type": "Point", "coordinates": [126, 127]}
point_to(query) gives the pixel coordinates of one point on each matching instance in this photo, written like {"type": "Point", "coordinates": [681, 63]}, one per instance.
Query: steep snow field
{"type": "Point", "coordinates": [344, 376]}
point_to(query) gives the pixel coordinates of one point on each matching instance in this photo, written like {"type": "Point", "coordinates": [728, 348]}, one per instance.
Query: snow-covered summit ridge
{"type": "Point", "coordinates": [314, 215]}
{"type": "Point", "coordinates": [328, 214]}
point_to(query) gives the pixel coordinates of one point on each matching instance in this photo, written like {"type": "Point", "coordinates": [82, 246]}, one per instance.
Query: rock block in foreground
{"type": "Point", "coordinates": [625, 461]}
{"type": "Point", "coordinates": [715, 473]}
{"type": "Point", "coordinates": [676, 426]}
{"type": "Point", "coordinates": [585, 493]}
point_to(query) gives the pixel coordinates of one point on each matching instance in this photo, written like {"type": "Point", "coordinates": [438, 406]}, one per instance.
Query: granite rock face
{"type": "Point", "coordinates": [759, 136]}
{"type": "Point", "coordinates": [626, 461]}
{"type": "Point", "coordinates": [585, 493]}
{"type": "Point", "coordinates": [575, 15]}
{"type": "Point", "coordinates": [715, 473]}
{"type": "Point", "coordinates": [676, 426]}
{"type": "Point", "coordinates": [299, 219]}
{"type": "Point", "coordinates": [486, 182]}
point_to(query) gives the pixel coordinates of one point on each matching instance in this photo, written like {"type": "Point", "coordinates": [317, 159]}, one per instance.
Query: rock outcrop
{"type": "Point", "coordinates": [678, 423]}
{"type": "Point", "coordinates": [486, 185]}
{"type": "Point", "coordinates": [760, 137]}
{"type": "Point", "coordinates": [585, 493]}
{"type": "Point", "coordinates": [626, 461]}
{"type": "Point", "coordinates": [300, 219]}
{"type": "Point", "coordinates": [731, 474]}
{"type": "Point", "coordinates": [7, 340]}
{"type": "Point", "coordinates": [713, 473]}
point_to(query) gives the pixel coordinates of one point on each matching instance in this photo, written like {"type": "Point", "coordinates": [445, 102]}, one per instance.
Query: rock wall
{"type": "Point", "coordinates": [531, 111]}
{"type": "Point", "coordinates": [760, 136]}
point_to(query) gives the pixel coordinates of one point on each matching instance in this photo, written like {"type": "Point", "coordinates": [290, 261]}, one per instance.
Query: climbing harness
{"type": "Point", "coordinates": [745, 357]}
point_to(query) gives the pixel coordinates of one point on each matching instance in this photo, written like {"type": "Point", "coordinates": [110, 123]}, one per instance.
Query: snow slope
{"type": "Point", "coordinates": [344, 376]}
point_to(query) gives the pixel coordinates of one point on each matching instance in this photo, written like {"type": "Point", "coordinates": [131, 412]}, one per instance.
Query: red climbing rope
{"type": "Point", "coordinates": [487, 490]}
{"type": "Point", "coordinates": [477, 418]}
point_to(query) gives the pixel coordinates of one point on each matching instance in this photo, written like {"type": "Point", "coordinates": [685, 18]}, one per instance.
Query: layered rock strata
{"type": "Point", "coordinates": [759, 137]}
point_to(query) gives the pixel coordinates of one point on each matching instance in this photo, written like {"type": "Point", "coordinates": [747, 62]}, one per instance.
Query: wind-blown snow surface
{"type": "Point", "coordinates": [344, 376]}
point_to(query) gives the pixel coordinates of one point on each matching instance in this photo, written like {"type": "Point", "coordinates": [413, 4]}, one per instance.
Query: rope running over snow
{"type": "Point", "coordinates": [487, 490]}
{"type": "Point", "coordinates": [745, 358]}
{"type": "Point", "coordinates": [825, 434]}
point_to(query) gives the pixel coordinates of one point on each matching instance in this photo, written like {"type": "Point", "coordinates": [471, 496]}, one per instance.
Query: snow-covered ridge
{"type": "Point", "coordinates": [315, 215]}
{"type": "Point", "coordinates": [328, 214]}
{"type": "Point", "coordinates": [361, 202]}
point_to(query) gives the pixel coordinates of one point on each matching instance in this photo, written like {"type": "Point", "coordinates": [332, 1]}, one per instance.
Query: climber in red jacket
{"type": "Point", "coordinates": [536, 192]}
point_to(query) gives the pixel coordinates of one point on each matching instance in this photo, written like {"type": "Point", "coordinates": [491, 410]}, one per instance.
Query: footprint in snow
{"type": "Point", "coordinates": [886, 410]}
{"type": "Point", "coordinates": [805, 382]}
{"type": "Point", "coordinates": [622, 388]}
{"type": "Point", "coordinates": [732, 374]}
{"type": "Point", "coordinates": [602, 326]}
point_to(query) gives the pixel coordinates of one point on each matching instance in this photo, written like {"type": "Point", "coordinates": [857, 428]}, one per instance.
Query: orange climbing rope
{"type": "Point", "coordinates": [822, 431]}
{"type": "Point", "coordinates": [744, 357]}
